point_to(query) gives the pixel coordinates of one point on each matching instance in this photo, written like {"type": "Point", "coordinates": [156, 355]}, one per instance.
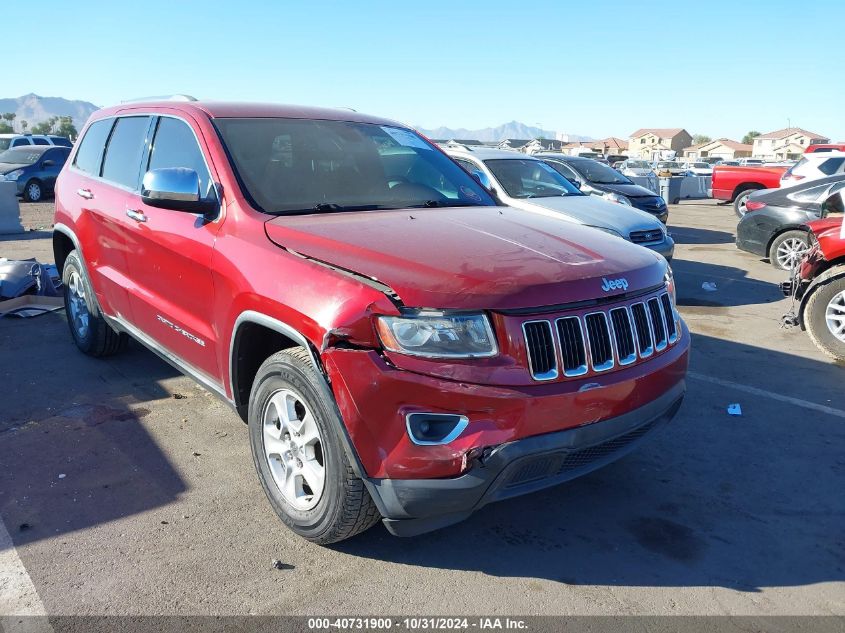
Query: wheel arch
{"type": "Point", "coordinates": [783, 229]}
{"type": "Point", "coordinates": [836, 270]}
{"type": "Point", "coordinates": [746, 186]}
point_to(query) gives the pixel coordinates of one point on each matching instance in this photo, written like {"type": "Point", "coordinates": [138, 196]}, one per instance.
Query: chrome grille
{"type": "Point", "coordinates": [599, 341]}
{"type": "Point", "coordinates": [598, 334]}
{"type": "Point", "coordinates": [572, 346]}
{"type": "Point", "coordinates": [542, 358]}
{"type": "Point", "coordinates": [644, 237]}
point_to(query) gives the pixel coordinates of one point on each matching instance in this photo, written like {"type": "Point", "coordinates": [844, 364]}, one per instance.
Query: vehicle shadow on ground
{"type": "Point", "coordinates": [27, 235]}
{"type": "Point", "coordinates": [732, 285]}
{"type": "Point", "coordinates": [72, 451]}
{"type": "Point", "coordinates": [691, 235]}
{"type": "Point", "coordinates": [711, 500]}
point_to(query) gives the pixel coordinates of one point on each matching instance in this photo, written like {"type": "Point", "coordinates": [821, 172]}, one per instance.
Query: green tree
{"type": "Point", "coordinates": [65, 127]}
{"type": "Point", "coordinates": [24, 125]}
{"type": "Point", "coordinates": [5, 128]}
{"type": "Point", "coordinates": [698, 139]}
{"type": "Point", "coordinates": [10, 117]}
{"type": "Point", "coordinates": [748, 139]}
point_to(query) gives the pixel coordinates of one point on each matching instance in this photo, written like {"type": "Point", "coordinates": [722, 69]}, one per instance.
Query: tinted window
{"type": "Point", "coordinates": [122, 163]}
{"type": "Point", "coordinates": [61, 141]}
{"type": "Point", "coordinates": [59, 156]}
{"type": "Point", "coordinates": [831, 166]}
{"type": "Point", "coordinates": [525, 178]}
{"type": "Point", "coordinates": [810, 195]}
{"type": "Point", "coordinates": [18, 142]}
{"type": "Point", "coordinates": [90, 150]}
{"type": "Point", "coordinates": [175, 146]}
{"type": "Point", "coordinates": [39, 141]}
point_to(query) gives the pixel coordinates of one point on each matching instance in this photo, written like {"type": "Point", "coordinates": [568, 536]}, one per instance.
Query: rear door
{"type": "Point", "coordinates": [171, 251]}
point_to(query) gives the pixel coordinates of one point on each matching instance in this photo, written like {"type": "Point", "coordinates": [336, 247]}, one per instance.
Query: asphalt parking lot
{"type": "Point", "coordinates": [127, 489]}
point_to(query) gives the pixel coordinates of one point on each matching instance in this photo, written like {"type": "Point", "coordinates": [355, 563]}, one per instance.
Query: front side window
{"type": "Point", "coordinates": [122, 162]}
{"type": "Point", "coordinates": [525, 178]}
{"type": "Point", "coordinates": [175, 145]}
{"type": "Point", "coordinates": [290, 166]}
{"type": "Point", "coordinates": [20, 142]}
{"type": "Point", "coordinates": [90, 151]}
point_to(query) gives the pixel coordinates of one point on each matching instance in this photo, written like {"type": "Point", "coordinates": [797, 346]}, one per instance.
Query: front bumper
{"type": "Point", "coordinates": [415, 506]}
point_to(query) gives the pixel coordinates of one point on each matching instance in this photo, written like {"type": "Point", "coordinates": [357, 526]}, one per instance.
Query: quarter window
{"type": "Point", "coordinates": [90, 152]}
{"type": "Point", "coordinates": [176, 146]}
{"type": "Point", "coordinates": [831, 166]}
{"type": "Point", "coordinates": [122, 162]}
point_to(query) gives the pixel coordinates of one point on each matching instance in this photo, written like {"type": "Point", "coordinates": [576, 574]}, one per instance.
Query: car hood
{"type": "Point", "coordinates": [594, 211]}
{"type": "Point", "coordinates": [5, 168]}
{"type": "Point", "coordinates": [632, 190]}
{"type": "Point", "coordinates": [477, 258]}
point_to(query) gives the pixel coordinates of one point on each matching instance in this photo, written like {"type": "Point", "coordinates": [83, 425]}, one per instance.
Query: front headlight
{"type": "Point", "coordinates": [660, 201]}
{"type": "Point", "coordinates": [606, 230]}
{"type": "Point", "coordinates": [670, 284]}
{"type": "Point", "coordinates": [438, 335]}
{"type": "Point", "coordinates": [13, 175]}
{"type": "Point", "coordinates": [619, 199]}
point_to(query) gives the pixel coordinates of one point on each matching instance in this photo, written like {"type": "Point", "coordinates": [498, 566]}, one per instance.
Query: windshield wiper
{"type": "Point", "coordinates": [330, 207]}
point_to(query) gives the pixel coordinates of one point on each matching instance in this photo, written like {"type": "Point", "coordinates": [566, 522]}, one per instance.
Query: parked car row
{"type": "Point", "coordinates": [34, 168]}
{"type": "Point", "coordinates": [8, 141]}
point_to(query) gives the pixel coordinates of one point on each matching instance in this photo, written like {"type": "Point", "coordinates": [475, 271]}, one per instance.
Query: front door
{"type": "Point", "coordinates": [171, 257]}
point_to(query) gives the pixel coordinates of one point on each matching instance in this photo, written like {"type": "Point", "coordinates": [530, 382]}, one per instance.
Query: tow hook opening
{"type": "Point", "coordinates": [432, 429]}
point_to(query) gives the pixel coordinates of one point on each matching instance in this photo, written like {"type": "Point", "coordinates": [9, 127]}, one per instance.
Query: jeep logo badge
{"type": "Point", "coordinates": [614, 284]}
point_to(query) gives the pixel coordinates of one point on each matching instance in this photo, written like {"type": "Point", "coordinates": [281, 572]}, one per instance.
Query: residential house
{"type": "Point", "coordinates": [458, 142]}
{"type": "Point", "coordinates": [650, 143]}
{"type": "Point", "coordinates": [514, 143]}
{"type": "Point", "coordinates": [788, 143]}
{"type": "Point", "coordinates": [543, 145]}
{"type": "Point", "coordinates": [724, 148]}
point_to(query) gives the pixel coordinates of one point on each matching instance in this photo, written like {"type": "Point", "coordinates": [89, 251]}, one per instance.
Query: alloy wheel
{"type": "Point", "coordinates": [33, 192]}
{"type": "Point", "coordinates": [77, 306]}
{"type": "Point", "coordinates": [293, 448]}
{"type": "Point", "coordinates": [835, 316]}
{"type": "Point", "coordinates": [790, 252]}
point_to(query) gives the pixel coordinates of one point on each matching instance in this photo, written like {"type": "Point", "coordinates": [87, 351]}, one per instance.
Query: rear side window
{"type": "Point", "coordinates": [831, 166]}
{"type": "Point", "coordinates": [39, 141]}
{"type": "Point", "coordinates": [61, 141]}
{"type": "Point", "coordinates": [122, 163]}
{"type": "Point", "coordinates": [90, 151]}
{"type": "Point", "coordinates": [813, 194]}
{"type": "Point", "coordinates": [176, 146]}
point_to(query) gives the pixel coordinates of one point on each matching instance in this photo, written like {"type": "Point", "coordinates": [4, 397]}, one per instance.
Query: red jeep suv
{"type": "Point", "coordinates": [401, 346]}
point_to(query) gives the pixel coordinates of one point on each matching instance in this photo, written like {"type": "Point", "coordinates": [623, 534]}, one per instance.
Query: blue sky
{"type": "Point", "coordinates": [600, 68]}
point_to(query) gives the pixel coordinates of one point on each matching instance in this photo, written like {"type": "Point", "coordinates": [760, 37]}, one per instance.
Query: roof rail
{"type": "Point", "coordinates": [161, 98]}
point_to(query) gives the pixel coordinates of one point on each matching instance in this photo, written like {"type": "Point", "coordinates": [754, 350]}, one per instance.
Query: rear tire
{"type": "Point", "coordinates": [90, 331]}
{"type": "Point", "coordinates": [740, 200]}
{"type": "Point", "coordinates": [788, 248]}
{"type": "Point", "coordinates": [300, 460]}
{"type": "Point", "coordinates": [824, 315]}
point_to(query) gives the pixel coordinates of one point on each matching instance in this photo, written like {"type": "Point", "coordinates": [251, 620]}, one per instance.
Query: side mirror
{"type": "Point", "coordinates": [175, 188]}
{"type": "Point", "coordinates": [48, 163]}
{"type": "Point", "coordinates": [575, 182]}
{"type": "Point", "coordinates": [482, 179]}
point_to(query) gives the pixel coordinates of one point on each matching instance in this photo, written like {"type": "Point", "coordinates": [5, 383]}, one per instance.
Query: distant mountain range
{"type": "Point", "coordinates": [33, 109]}
{"type": "Point", "coordinates": [514, 129]}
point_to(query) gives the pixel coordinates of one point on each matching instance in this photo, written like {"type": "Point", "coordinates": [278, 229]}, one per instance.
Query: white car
{"type": "Point", "coordinates": [636, 168]}
{"type": "Point", "coordinates": [814, 166]}
{"type": "Point", "coordinates": [528, 183]}
{"type": "Point", "coordinates": [8, 141]}
{"type": "Point", "coordinates": [673, 167]}
{"type": "Point", "coordinates": [700, 169]}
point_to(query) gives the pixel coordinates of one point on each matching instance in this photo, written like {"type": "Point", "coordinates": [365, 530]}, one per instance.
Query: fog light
{"type": "Point", "coordinates": [427, 429]}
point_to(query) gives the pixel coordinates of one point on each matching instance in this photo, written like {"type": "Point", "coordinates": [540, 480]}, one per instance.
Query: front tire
{"type": "Point", "coordinates": [788, 248]}
{"type": "Point", "coordinates": [300, 460]}
{"type": "Point", "coordinates": [91, 333]}
{"type": "Point", "coordinates": [824, 318]}
{"type": "Point", "coordinates": [33, 191]}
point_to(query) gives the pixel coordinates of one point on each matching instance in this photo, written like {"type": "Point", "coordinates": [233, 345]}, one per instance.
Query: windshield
{"type": "Point", "coordinates": [595, 172]}
{"type": "Point", "coordinates": [21, 156]}
{"type": "Point", "coordinates": [289, 166]}
{"type": "Point", "coordinates": [637, 164]}
{"type": "Point", "coordinates": [4, 143]}
{"type": "Point", "coordinates": [526, 178]}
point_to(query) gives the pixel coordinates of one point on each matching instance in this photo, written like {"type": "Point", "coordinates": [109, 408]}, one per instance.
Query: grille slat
{"type": "Point", "coordinates": [669, 316]}
{"type": "Point", "coordinates": [573, 353]}
{"type": "Point", "coordinates": [658, 328]}
{"type": "Point", "coordinates": [596, 342]}
{"type": "Point", "coordinates": [646, 237]}
{"type": "Point", "coordinates": [541, 349]}
{"type": "Point", "coordinates": [623, 335]}
{"type": "Point", "coordinates": [601, 352]}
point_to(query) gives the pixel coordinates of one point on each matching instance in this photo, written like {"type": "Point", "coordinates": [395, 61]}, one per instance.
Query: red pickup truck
{"type": "Point", "coordinates": [735, 184]}
{"type": "Point", "coordinates": [401, 346]}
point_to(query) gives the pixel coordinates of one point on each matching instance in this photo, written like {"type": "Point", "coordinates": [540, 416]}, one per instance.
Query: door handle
{"type": "Point", "coordinates": [84, 193]}
{"type": "Point", "coordinates": [136, 215]}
